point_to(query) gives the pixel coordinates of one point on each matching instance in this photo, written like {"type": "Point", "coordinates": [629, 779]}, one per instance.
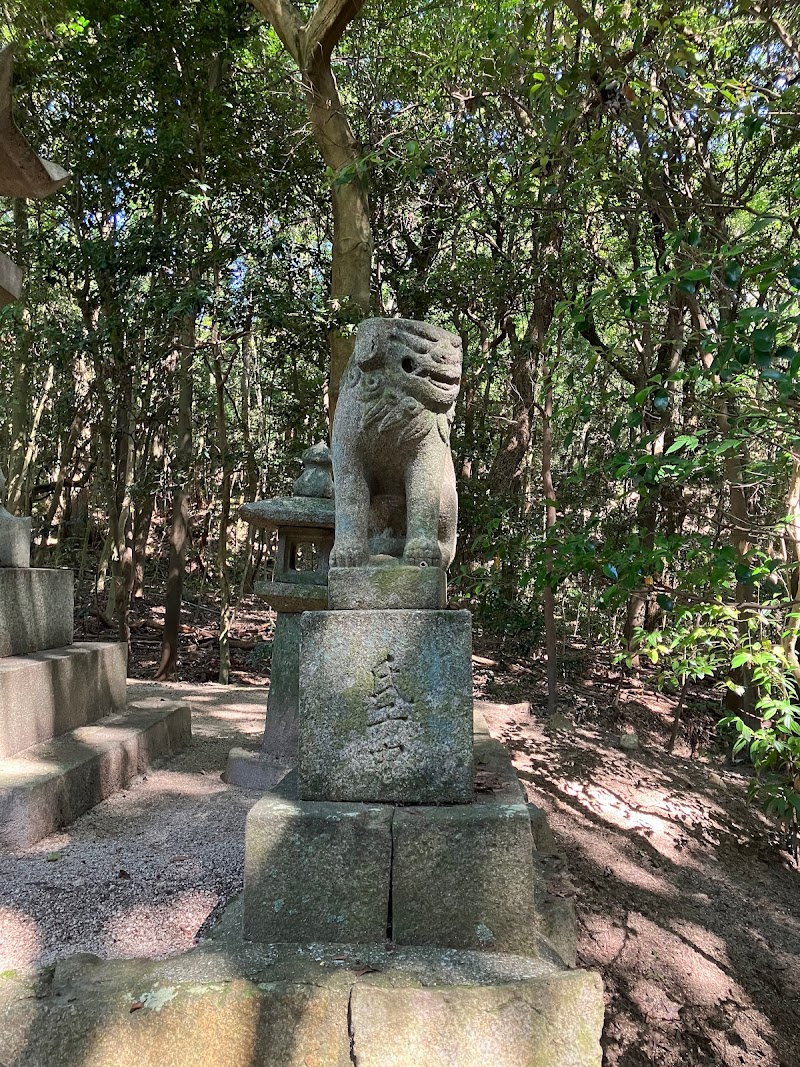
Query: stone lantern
{"type": "Point", "coordinates": [304, 523]}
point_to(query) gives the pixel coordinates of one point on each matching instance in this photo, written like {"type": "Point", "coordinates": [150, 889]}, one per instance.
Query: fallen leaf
{"type": "Point", "coordinates": [123, 874]}
{"type": "Point", "coordinates": [137, 1005]}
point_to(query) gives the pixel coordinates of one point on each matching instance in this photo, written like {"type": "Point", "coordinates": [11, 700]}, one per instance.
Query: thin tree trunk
{"type": "Point", "coordinates": [225, 603]}
{"type": "Point", "coordinates": [550, 521]}
{"type": "Point", "coordinates": [179, 534]}
{"type": "Point", "coordinates": [792, 539]}
{"type": "Point", "coordinates": [310, 46]}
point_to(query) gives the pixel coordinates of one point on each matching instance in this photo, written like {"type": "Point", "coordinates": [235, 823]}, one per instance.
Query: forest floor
{"type": "Point", "coordinates": [687, 900]}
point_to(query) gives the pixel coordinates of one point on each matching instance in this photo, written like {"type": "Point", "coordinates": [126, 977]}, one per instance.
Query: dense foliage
{"type": "Point", "coordinates": [603, 203]}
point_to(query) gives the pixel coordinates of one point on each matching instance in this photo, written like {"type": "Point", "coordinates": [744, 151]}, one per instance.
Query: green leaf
{"type": "Point", "coordinates": [793, 275]}
{"type": "Point", "coordinates": [688, 441]}
{"type": "Point", "coordinates": [732, 274]}
{"type": "Point", "coordinates": [763, 340]}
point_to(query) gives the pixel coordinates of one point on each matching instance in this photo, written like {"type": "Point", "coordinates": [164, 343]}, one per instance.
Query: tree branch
{"type": "Point", "coordinates": [313, 43]}
{"type": "Point", "coordinates": [284, 18]}
{"type": "Point", "coordinates": [329, 20]}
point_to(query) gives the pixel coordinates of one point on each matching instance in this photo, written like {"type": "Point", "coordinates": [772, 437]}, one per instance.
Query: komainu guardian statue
{"type": "Point", "coordinates": [392, 465]}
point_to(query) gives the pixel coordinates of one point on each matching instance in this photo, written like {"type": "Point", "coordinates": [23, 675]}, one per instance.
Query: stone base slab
{"type": "Point", "coordinates": [540, 1023]}
{"type": "Point", "coordinates": [15, 540]}
{"type": "Point", "coordinates": [293, 1006]}
{"type": "Point", "coordinates": [35, 609]}
{"type": "Point", "coordinates": [46, 694]}
{"type": "Point", "coordinates": [386, 587]}
{"type": "Point", "coordinates": [293, 597]}
{"type": "Point", "coordinates": [386, 706]}
{"type": "Point", "coordinates": [49, 785]}
{"type": "Point", "coordinates": [316, 871]}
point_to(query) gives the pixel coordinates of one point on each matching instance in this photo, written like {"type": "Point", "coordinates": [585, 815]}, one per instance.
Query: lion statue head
{"type": "Point", "coordinates": [407, 374]}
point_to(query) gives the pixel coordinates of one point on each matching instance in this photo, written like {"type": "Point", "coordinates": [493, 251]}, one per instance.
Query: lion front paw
{"type": "Point", "coordinates": [349, 554]}
{"type": "Point", "coordinates": [421, 552]}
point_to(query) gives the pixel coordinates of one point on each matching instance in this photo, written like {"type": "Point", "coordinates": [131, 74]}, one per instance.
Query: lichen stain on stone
{"type": "Point", "coordinates": [158, 998]}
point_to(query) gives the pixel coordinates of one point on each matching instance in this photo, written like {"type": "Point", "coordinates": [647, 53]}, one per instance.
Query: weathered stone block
{"type": "Point", "coordinates": [386, 587]}
{"type": "Point", "coordinates": [49, 693]}
{"type": "Point", "coordinates": [549, 1022]}
{"type": "Point", "coordinates": [35, 610]}
{"type": "Point", "coordinates": [280, 727]}
{"type": "Point", "coordinates": [182, 1020]}
{"type": "Point", "coordinates": [252, 769]}
{"type": "Point", "coordinates": [386, 706]}
{"type": "Point", "coordinates": [289, 597]}
{"type": "Point", "coordinates": [463, 875]}
{"type": "Point", "coordinates": [316, 871]}
{"type": "Point", "coordinates": [15, 540]}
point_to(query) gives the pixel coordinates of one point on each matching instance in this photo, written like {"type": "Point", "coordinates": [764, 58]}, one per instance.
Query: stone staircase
{"type": "Point", "coordinates": [68, 738]}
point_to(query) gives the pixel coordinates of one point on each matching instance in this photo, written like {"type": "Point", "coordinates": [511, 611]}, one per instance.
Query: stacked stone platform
{"type": "Point", "coordinates": [235, 1004]}
{"type": "Point", "coordinates": [68, 739]}
{"type": "Point", "coordinates": [455, 875]}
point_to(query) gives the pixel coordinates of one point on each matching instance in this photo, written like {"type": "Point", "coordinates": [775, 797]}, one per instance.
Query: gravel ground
{"type": "Point", "coordinates": [142, 873]}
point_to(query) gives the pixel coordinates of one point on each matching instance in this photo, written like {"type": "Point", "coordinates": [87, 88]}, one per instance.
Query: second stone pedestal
{"type": "Point", "coordinates": [386, 707]}
{"type": "Point", "coordinates": [316, 871]}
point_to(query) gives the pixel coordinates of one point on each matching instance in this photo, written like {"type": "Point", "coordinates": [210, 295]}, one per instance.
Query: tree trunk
{"type": "Point", "coordinates": [179, 534]}
{"type": "Point", "coordinates": [311, 46]}
{"type": "Point", "coordinates": [792, 539]}
{"type": "Point", "coordinates": [549, 595]}
{"type": "Point", "coordinates": [225, 603]}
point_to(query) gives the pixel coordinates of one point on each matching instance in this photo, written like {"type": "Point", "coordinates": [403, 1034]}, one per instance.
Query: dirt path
{"type": "Point", "coordinates": [140, 874]}
{"type": "Point", "coordinates": [685, 906]}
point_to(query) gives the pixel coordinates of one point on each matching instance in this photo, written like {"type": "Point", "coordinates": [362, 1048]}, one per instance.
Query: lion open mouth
{"type": "Point", "coordinates": [442, 378]}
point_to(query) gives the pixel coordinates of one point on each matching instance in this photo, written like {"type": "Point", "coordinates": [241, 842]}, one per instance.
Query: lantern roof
{"type": "Point", "coordinates": [23, 173]}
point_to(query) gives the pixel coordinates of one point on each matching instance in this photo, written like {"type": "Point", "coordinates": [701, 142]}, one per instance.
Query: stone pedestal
{"type": "Point", "coordinates": [15, 539]}
{"type": "Point", "coordinates": [386, 706]}
{"type": "Point", "coordinates": [460, 876]}
{"type": "Point", "coordinates": [386, 588]}
{"type": "Point", "coordinates": [35, 610]}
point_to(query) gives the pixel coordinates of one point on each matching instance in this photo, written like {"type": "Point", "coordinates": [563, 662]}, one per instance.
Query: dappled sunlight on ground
{"type": "Point", "coordinates": [20, 940]}
{"type": "Point", "coordinates": [685, 905]}
{"type": "Point", "coordinates": [157, 930]}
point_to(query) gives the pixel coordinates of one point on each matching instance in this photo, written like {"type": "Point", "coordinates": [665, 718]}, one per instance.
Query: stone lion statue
{"type": "Point", "coordinates": [392, 466]}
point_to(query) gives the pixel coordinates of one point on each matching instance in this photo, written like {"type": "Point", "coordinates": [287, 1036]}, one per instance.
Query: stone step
{"type": "Point", "coordinates": [51, 784]}
{"type": "Point", "coordinates": [294, 1006]}
{"type": "Point", "coordinates": [36, 609]}
{"type": "Point", "coordinates": [46, 694]}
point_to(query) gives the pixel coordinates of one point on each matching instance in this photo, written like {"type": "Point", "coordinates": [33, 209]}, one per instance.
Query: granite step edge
{"type": "Point", "coordinates": [47, 786]}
